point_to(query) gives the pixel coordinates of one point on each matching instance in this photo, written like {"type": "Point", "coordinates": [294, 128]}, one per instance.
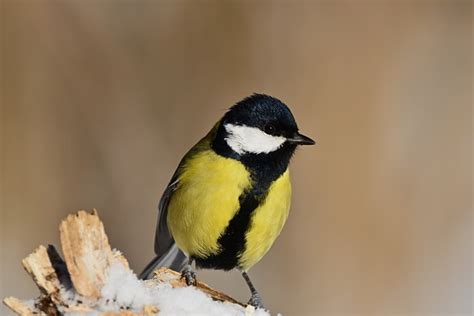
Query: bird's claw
{"type": "Point", "coordinates": [189, 276]}
{"type": "Point", "coordinates": [256, 301]}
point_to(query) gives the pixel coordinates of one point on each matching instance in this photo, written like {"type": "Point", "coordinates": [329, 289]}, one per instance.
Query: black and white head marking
{"type": "Point", "coordinates": [246, 139]}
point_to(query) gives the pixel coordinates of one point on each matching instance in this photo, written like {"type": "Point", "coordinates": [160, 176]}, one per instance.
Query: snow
{"type": "Point", "coordinates": [123, 290]}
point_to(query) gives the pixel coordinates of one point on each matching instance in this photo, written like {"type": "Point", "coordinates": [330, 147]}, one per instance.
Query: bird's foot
{"type": "Point", "coordinates": [256, 301]}
{"type": "Point", "coordinates": [189, 275]}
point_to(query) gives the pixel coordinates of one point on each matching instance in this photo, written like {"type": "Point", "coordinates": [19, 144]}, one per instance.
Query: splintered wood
{"type": "Point", "coordinates": [74, 285]}
{"type": "Point", "coordinates": [86, 251]}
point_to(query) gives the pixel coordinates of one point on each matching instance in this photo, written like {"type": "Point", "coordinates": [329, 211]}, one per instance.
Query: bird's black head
{"type": "Point", "coordinates": [263, 112]}
{"type": "Point", "coordinates": [256, 126]}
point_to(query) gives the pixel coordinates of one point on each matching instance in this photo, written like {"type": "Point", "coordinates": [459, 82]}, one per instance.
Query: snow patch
{"type": "Point", "coordinates": [124, 291]}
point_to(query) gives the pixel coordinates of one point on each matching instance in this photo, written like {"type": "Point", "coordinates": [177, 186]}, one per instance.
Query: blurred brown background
{"type": "Point", "coordinates": [100, 99]}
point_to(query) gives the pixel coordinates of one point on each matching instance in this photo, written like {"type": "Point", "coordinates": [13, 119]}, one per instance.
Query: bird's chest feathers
{"type": "Point", "coordinates": [224, 216]}
{"type": "Point", "coordinates": [206, 199]}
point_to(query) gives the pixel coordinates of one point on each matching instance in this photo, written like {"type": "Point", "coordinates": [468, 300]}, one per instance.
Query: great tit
{"type": "Point", "coordinates": [230, 196]}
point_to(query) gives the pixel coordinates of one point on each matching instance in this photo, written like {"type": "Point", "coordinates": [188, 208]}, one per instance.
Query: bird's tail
{"type": "Point", "coordinates": [174, 259]}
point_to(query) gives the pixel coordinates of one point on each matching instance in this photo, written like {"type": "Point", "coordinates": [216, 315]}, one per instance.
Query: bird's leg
{"type": "Point", "coordinates": [188, 274]}
{"type": "Point", "coordinates": [255, 299]}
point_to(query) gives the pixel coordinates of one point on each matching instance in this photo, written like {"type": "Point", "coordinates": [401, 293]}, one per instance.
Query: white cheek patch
{"type": "Point", "coordinates": [244, 139]}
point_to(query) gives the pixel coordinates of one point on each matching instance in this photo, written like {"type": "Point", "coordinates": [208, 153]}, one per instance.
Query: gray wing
{"type": "Point", "coordinates": [163, 239]}
{"type": "Point", "coordinates": [167, 252]}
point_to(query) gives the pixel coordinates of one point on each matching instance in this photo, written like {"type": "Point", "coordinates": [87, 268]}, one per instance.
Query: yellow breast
{"type": "Point", "coordinates": [267, 221]}
{"type": "Point", "coordinates": [206, 199]}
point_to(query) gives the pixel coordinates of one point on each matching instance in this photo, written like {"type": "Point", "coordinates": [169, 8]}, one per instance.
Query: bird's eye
{"type": "Point", "coordinates": [270, 129]}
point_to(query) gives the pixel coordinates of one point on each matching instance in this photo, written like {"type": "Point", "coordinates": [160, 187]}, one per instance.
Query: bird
{"type": "Point", "coordinates": [230, 195]}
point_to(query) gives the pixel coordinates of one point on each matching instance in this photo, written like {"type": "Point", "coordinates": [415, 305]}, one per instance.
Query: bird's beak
{"type": "Point", "coordinates": [300, 139]}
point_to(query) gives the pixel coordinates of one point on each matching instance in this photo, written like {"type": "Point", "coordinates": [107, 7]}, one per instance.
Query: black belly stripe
{"type": "Point", "coordinates": [232, 242]}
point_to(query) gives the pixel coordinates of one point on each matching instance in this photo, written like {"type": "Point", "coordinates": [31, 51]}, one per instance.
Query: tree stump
{"type": "Point", "coordinates": [94, 278]}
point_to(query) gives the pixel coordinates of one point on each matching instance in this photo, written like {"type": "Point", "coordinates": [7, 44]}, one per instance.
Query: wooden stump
{"type": "Point", "coordinates": [75, 283]}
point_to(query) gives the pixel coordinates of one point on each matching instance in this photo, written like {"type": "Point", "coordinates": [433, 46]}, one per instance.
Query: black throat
{"type": "Point", "coordinates": [264, 169]}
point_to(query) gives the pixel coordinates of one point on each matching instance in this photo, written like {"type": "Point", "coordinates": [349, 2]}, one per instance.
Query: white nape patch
{"type": "Point", "coordinates": [245, 139]}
